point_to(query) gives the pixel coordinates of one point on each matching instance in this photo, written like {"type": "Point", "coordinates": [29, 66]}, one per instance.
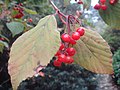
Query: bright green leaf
{"type": "Point", "coordinates": [15, 27]}
{"type": "Point", "coordinates": [111, 16]}
{"type": "Point", "coordinates": [38, 45]}
{"type": "Point", "coordinates": [93, 53]}
{"type": "Point", "coordinates": [30, 11]}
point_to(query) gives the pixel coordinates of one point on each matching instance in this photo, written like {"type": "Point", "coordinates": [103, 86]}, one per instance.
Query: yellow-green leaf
{"type": "Point", "coordinates": [35, 46]}
{"type": "Point", "coordinates": [111, 16]}
{"type": "Point", "coordinates": [30, 11]}
{"type": "Point", "coordinates": [93, 53]}
{"type": "Point", "coordinates": [1, 46]}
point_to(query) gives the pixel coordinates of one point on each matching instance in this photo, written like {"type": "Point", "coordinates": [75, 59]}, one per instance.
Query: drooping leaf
{"type": "Point", "coordinates": [93, 53]}
{"type": "Point", "coordinates": [34, 47]}
{"type": "Point", "coordinates": [111, 16]}
{"type": "Point", "coordinates": [15, 27]}
{"type": "Point", "coordinates": [30, 11]}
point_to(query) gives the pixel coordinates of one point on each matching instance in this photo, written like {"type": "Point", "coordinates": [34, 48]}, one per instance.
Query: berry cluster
{"type": "Point", "coordinates": [20, 10]}
{"type": "Point", "coordinates": [65, 52]}
{"type": "Point", "coordinates": [102, 5]}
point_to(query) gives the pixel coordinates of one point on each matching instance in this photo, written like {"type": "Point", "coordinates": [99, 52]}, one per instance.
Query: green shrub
{"type": "Point", "coordinates": [113, 39]}
{"type": "Point", "coordinates": [116, 65]}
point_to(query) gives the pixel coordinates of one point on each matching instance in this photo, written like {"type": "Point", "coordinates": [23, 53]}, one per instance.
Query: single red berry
{"type": "Point", "coordinates": [58, 53]}
{"type": "Point", "coordinates": [80, 2]}
{"type": "Point", "coordinates": [97, 6]}
{"type": "Point", "coordinates": [103, 7]}
{"type": "Point", "coordinates": [72, 41]}
{"type": "Point", "coordinates": [103, 1]}
{"type": "Point", "coordinates": [30, 20]}
{"type": "Point", "coordinates": [71, 51]}
{"type": "Point", "coordinates": [61, 46]}
{"type": "Point", "coordinates": [112, 2]}
{"type": "Point", "coordinates": [62, 58]}
{"type": "Point", "coordinates": [81, 31]}
{"type": "Point", "coordinates": [76, 36]}
{"type": "Point", "coordinates": [65, 37]}
{"type": "Point", "coordinates": [1, 39]}
{"type": "Point", "coordinates": [69, 59]}
{"type": "Point", "coordinates": [15, 8]}
{"type": "Point", "coordinates": [20, 4]}
{"type": "Point", "coordinates": [57, 63]}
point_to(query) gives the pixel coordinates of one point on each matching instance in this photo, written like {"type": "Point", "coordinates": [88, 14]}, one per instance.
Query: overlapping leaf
{"type": "Point", "coordinates": [15, 27]}
{"type": "Point", "coordinates": [111, 16]}
{"type": "Point", "coordinates": [93, 53]}
{"type": "Point", "coordinates": [36, 46]}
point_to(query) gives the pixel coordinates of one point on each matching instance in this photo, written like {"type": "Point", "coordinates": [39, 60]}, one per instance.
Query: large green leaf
{"type": "Point", "coordinates": [111, 16]}
{"type": "Point", "coordinates": [93, 53]}
{"type": "Point", "coordinates": [36, 46]}
{"type": "Point", "coordinates": [15, 27]}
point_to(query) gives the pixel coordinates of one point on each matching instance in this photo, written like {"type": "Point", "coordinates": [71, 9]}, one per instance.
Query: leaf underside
{"type": "Point", "coordinates": [35, 47]}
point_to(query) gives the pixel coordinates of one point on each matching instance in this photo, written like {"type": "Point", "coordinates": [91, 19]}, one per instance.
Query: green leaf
{"type": "Point", "coordinates": [38, 45]}
{"type": "Point", "coordinates": [93, 53]}
{"type": "Point", "coordinates": [15, 27]}
{"type": "Point", "coordinates": [86, 3]}
{"type": "Point", "coordinates": [111, 16]}
{"type": "Point", "coordinates": [2, 45]}
{"type": "Point", "coordinates": [30, 11]}
{"type": "Point", "coordinates": [66, 2]}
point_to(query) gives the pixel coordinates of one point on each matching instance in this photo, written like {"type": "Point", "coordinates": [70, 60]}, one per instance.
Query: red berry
{"type": "Point", "coordinates": [69, 59]}
{"type": "Point", "coordinates": [65, 37]}
{"type": "Point", "coordinates": [61, 46]}
{"type": "Point", "coordinates": [103, 1]}
{"type": "Point", "coordinates": [80, 2]}
{"type": "Point", "coordinates": [97, 6]}
{"type": "Point", "coordinates": [81, 31]}
{"type": "Point", "coordinates": [71, 51]}
{"type": "Point", "coordinates": [58, 53]}
{"type": "Point", "coordinates": [57, 63]}
{"type": "Point", "coordinates": [30, 20]}
{"type": "Point", "coordinates": [76, 36]}
{"type": "Point", "coordinates": [103, 7]}
{"type": "Point", "coordinates": [72, 41]}
{"type": "Point", "coordinates": [1, 39]}
{"type": "Point", "coordinates": [62, 58]}
{"type": "Point", "coordinates": [112, 2]}
{"type": "Point", "coordinates": [20, 4]}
